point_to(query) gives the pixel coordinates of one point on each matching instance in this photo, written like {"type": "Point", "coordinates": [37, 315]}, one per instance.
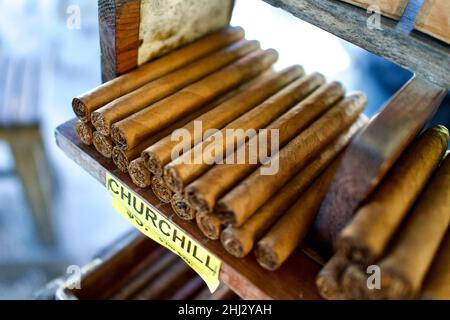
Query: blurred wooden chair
{"type": "Point", "coordinates": [19, 127]}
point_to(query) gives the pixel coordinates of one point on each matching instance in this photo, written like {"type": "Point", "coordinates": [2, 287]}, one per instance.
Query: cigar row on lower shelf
{"type": "Point", "coordinates": [256, 192]}
{"type": "Point", "coordinates": [136, 273]}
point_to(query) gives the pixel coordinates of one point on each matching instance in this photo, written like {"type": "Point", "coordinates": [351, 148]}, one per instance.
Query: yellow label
{"type": "Point", "coordinates": [161, 230]}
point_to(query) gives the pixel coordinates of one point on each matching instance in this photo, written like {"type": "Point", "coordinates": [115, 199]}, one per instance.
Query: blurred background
{"type": "Point", "coordinates": [52, 213]}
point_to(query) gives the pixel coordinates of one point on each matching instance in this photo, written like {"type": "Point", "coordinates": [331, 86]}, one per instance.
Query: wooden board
{"type": "Point", "coordinates": [434, 19]}
{"type": "Point", "coordinates": [132, 32]}
{"type": "Point", "coordinates": [390, 8]}
{"type": "Point", "coordinates": [397, 42]}
{"type": "Point", "coordinates": [373, 152]}
{"type": "Point", "coordinates": [294, 280]}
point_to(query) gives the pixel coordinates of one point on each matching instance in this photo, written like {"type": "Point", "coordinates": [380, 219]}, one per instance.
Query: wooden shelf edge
{"type": "Point", "coordinates": [397, 41]}
{"type": "Point", "coordinates": [294, 280]}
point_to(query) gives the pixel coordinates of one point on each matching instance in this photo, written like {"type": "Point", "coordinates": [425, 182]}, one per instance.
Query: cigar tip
{"type": "Point", "coordinates": [139, 174]}
{"type": "Point", "coordinates": [266, 257]}
{"type": "Point", "coordinates": [98, 121]}
{"type": "Point", "coordinates": [120, 160]}
{"type": "Point", "coordinates": [103, 144]}
{"type": "Point", "coordinates": [209, 225]}
{"type": "Point", "coordinates": [182, 208]}
{"type": "Point", "coordinates": [172, 180]}
{"type": "Point", "coordinates": [233, 244]}
{"type": "Point", "coordinates": [160, 189]}
{"type": "Point", "coordinates": [224, 213]}
{"type": "Point", "coordinates": [442, 131]}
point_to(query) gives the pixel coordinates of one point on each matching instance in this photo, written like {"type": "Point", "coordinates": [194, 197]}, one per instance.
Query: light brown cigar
{"type": "Point", "coordinates": [328, 280]}
{"type": "Point", "coordinates": [405, 266]}
{"type": "Point", "coordinates": [282, 239]}
{"type": "Point", "coordinates": [161, 88]}
{"type": "Point", "coordinates": [130, 131]}
{"type": "Point", "coordinates": [104, 145]}
{"type": "Point", "coordinates": [437, 283]}
{"type": "Point", "coordinates": [186, 168]}
{"type": "Point", "coordinates": [242, 201]}
{"type": "Point", "coordinates": [365, 238]}
{"type": "Point", "coordinates": [160, 189]}
{"type": "Point", "coordinates": [209, 225]}
{"type": "Point", "coordinates": [85, 104]}
{"type": "Point", "coordinates": [239, 241]}
{"type": "Point", "coordinates": [122, 158]}
{"type": "Point", "coordinates": [85, 131]}
{"type": "Point", "coordinates": [182, 207]}
{"type": "Point", "coordinates": [159, 154]}
{"type": "Point", "coordinates": [139, 174]}
{"type": "Point", "coordinates": [203, 193]}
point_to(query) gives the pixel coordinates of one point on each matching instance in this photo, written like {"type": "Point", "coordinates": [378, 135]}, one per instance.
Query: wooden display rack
{"type": "Point", "coordinates": [428, 58]}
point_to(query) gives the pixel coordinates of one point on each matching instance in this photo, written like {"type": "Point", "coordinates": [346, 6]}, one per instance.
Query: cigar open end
{"type": "Point", "coordinates": [172, 180]}
{"type": "Point", "coordinates": [84, 132]}
{"type": "Point", "coordinates": [209, 225]}
{"type": "Point", "coordinates": [182, 208]}
{"type": "Point", "coordinates": [394, 285]}
{"type": "Point", "coordinates": [139, 173]}
{"type": "Point", "coordinates": [196, 201]}
{"type": "Point", "coordinates": [266, 257]}
{"type": "Point", "coordinates": [104, 145]}
{"type": "Point", "coordinates": [98, 121]}
{"type": "Point", "coordinates": [160, 189]}
{"type": "Point", "coordinates": [354, 249]}
{"type": "Point", "coordinates": [153, 163]}
{"type": "Point", "coordinates": [354, 283]}
{"type": "Point", "coordinates": [238, 244]}
{"type": "Point", "coordinates": [80, 110]}
{"type": "Point", "coordinates": [328, 286]}
{"type": "Point", "coordinates": [120, 160]}
{"type": "Point", "coordinates": [119, 137]}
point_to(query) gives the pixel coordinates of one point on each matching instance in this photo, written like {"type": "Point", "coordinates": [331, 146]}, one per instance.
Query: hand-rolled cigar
{"type": "Point", "coordinates": [85, 104]}
{"type": "Point", "coordinates": [242, 201]}
{"type": "Point", "coordinates": [365, 238]}
{"type": "Point", "coordinates": [437, 282]}
{"type": "Point", "coordinates": [122, 158]}
{"type": "Point", "coordinates": [189, 166]}
{"type": "Point", "coordinates": [139, 173]}
{"type": "Point", "coordinates": [203, 193]}
{"type": "Point", "coordinates": [182, 207]}
{"type": "Point", "coordinates": [122, 107]}
{"type": "Point", "coordinates": [85, 131]}
{"type": "Point", "coordinates": [404, 268]}
{"type": "Point", "coordinates": [239, 241]}
{"type": "Point", "coordinates": [160, 189]}
{"type": "Point", "coordinates": [159, 154]}
{"type": "Point", "coordinates": [328, 280]}
{"type": "Point", "coordinates": [103, 144]}
{"type": "Point", "coordinates": [284, 237]}
{"type": "Point", "coordinates": [128, 132]}
{"type": "Point", "coordinates": [209, 225]}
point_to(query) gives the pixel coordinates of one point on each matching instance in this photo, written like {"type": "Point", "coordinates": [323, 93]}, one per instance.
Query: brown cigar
{"type": "Point", "coordinates": [405, 266]}
{"type": "Point", "coordinates": [186, 168]}
{"type": "Point", "coordinates": [159, 154]}
{"type": "Point", "coordinates": [182, 207]}
{"type": "Point", "coordinates": [204, 192]}
{"type": "Point", "coordinates": [85, 104]}
{"type": "Point", "coordinates": [365, 238]}
{"type": "Point", "coordinates": [139, 174]}
{"type": "Point", "coordinates": [241, 202]}
{"type": "Point", "coordinates": [129, 132]}
{"type": "Point", "coordinates": [437, 283]}
{"type": "Point", "coordinates": [85, 131]}
{"type": "Point", "coordinates": [282, 239]}
{"type": "Point", "coordinates": [160, 189]}
{"type": "Point", "coordinates": [239, 241]}
{"type": "Point", "coordinates": [354, 284]}
{"type": "Point", "coordinates": [122, 158]}
{"type": "Point", "coordinates": [209, 225]}
{"type": "Point", "coordinates": [328, 280]}
{"type": "Point", "coordinates": [119, 109]}
{"type": "Point", "coordinates": [103, 144]}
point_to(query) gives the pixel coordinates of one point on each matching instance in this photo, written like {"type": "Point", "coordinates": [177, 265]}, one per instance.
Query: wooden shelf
{"type": "Point", "coordinates": [398, 42]}
{"type": "Point", "coordinates": [295, 280]}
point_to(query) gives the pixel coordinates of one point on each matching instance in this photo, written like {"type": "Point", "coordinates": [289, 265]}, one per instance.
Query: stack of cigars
{"type": "Point", "coordinates": [226, 82]}
{"type": "Point", "coordinates": [402, 230]}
